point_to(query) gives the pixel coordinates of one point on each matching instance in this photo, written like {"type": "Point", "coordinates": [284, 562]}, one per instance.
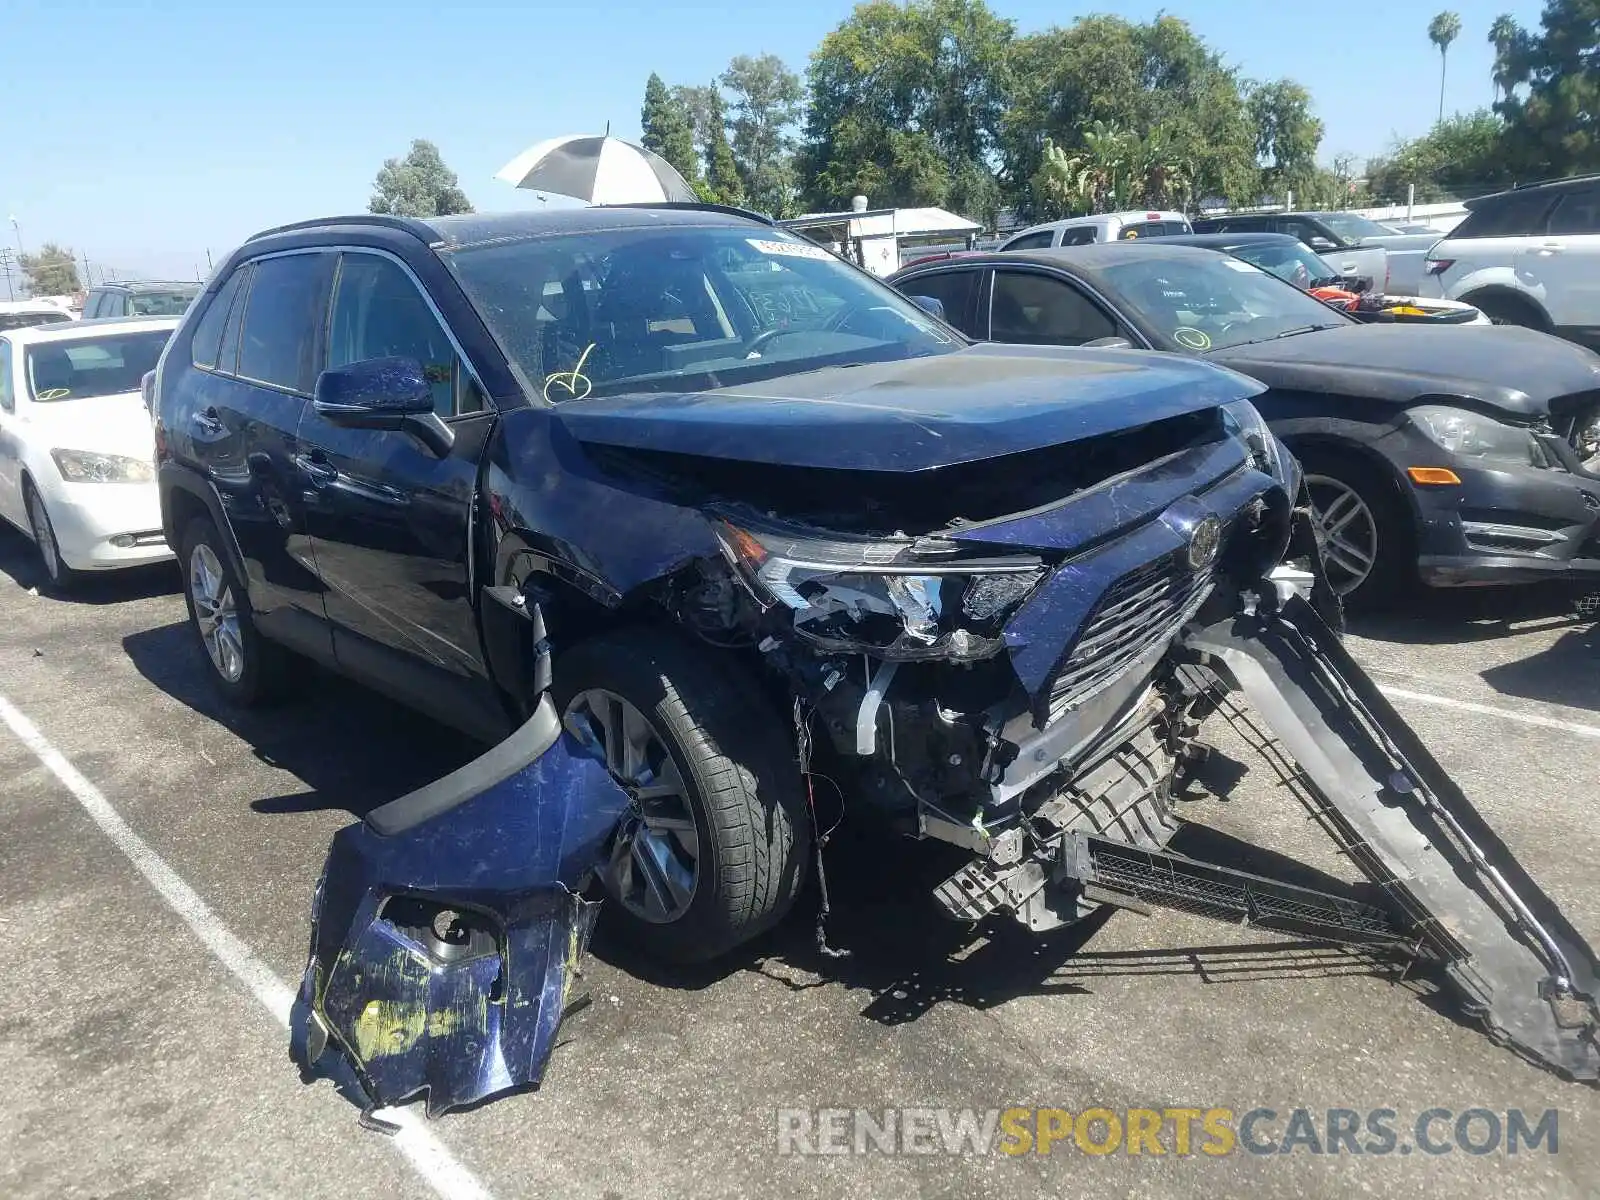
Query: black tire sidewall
{"type": "Point", "coordinates": [640, 664]}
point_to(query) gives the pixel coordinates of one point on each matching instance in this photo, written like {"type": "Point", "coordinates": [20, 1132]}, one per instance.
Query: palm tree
{"type": "Point", "coordinates": [1443, 30]}
{"type": "Point", "coordinates": [1502, 36]}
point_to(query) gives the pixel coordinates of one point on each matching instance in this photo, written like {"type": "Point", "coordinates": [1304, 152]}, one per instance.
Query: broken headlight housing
{"type": "Point", "coordinates": [1269, 455]}
{"type": "Point", "coordinates": [898, 598]}
{"type": "Point", "coordinates": [1473, 435]}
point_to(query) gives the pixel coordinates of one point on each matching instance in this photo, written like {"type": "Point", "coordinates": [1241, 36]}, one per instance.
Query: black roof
{"type": "Point", "coordinates": [1542, 185]}
{"type": "Point", "coordinates": [1225, 241]}
{"type": "Point", "coordinates": [1093, 257]}
{"type": "Point", "coordinates": [468, 229]}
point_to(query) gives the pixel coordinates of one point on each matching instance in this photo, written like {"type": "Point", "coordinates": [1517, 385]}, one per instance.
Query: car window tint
{"type": "Point", "coordinates": [953, 289]}
{"type": "Point", "coordinates": [379, 313]}
{"type": "Point", "coordinates": [8, 400]}
{"type": "Point", "coordinates": [277, 344]}
{"type": "Point", "coordinates": [1509, 216]}
{"type": "Point", "coordinates": [1149, 229]}
{"type": "Point", "coordinates": [1578, 211]}
{"type": "Point", "coordinates": [1032, 241]}
{"type": "Point", "coordinates": [228, 356]}
{"type": "Point", "coordinates": [1042, 310]}
{"type": "Point", "coordinates": [207, 340]}
{"type": "Point", "coordinates": [171, 303]}
{"type": "Point", "coordinates": [1083, 236]}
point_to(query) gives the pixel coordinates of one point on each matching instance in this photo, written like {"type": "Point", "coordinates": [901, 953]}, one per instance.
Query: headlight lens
{"type": "Point", "coordinates": [1472, 435]}
{"type": "Point", "coordinates": [86, 466]}
{"type": "Point", "coordinates": [1270, 455]}
{"type": "Point", "coordinates": [898, 598]}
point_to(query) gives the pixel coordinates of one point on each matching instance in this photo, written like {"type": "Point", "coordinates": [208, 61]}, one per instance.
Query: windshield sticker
{"type": "Point", "coordinates": [1191, 338]}
{"type": "Point", "coordinates": [790, 249]}
{"type": "Point", "coordinates": [574, 383]}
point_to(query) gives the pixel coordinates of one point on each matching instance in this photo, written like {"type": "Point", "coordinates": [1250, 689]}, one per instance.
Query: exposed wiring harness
{"type": "Point", "coordinates": [819, 836]}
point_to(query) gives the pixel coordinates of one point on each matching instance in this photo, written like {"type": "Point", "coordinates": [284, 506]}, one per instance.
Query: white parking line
{"type": "Point", "coordinates": [1491, 710]}
{"type": "Point", "coordinates": [444, 1173]}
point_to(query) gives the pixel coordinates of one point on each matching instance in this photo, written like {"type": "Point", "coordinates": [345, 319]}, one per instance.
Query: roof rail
{"type": "Point", "coordinates": [731, 210]}
{"type": "Point", "coordinates": [413, 226]}
{"type": "Point", "coordinates": [1585, 177]}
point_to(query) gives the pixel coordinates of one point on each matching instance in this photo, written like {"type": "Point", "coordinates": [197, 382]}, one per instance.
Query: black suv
{"type": "Point", "coordinates": [129, 298]}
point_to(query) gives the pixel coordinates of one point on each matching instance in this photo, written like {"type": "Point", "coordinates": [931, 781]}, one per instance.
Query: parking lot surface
{"type": "Point", "coordinates": [160, 853]}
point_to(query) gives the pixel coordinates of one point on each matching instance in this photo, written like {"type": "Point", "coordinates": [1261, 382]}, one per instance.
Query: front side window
{"type": "Point", "coordinates": [953, 289]}
{"type": "Point", "coordinates": [682, 308]}
{"type": "Point", "coordinates": [278, 341]}
{"type": "Point", "coordinates": [1042, 310]}
{"type": "Point", "coordinates": [80, 368]}
{"type": "Point", "coordinates": [1214, 301]}
{"type": "Point", "coordinates": [1083, 236]}
{"type": "Point", "coordinates": [378, 313]}
{"type": "Point", "coordinates": [1507, 216]}
{"type": "Point", "coordinates": [1032, 241]}
{"type": "Point", "coordinates": [1353, 227]}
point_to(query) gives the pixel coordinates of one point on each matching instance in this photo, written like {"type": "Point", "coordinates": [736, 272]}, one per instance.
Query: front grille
{"type": "Point", "coordinates": [1142, 609]}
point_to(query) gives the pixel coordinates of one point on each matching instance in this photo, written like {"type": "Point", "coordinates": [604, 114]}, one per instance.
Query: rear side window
{"type": "Point", "coordinates": [278, 340]}
{"type": "Point", "coordinates": [1032, 241]}
{"type": "Point", "coordinates": [1078, 237]}
{"type": "Point", "coordinates": [1509, 216]}
{"type": "Point", "coordinates": [1578, 211]}
{"type": "Point", "coordinates": [207, 340]}
{"type": "Point", "coordinates": [1148, 229]}
{"type": "Point", "coordinates": [953, 289]}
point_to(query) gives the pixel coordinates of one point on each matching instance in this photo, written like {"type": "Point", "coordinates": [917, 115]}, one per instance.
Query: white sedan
{"type": "Point", "coordinates": [77, 452]}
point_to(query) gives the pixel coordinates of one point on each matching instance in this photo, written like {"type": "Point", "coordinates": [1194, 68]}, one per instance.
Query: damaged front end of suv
{"type": "Point", "coordinates": [1011, 654]}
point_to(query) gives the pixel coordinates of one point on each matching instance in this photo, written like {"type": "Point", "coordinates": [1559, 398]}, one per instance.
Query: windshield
{"type": "Point", "coordinates": [84, 367]}
{"type": "Point", "coordinates": [23, 320]}
{"type": "Point", "coordinates": [1289, 261]}
{"type": "Point", "coordinates": [1353, 228]}
{"type": "Point", "coordinates": [1215, 301]}
{"type": "Point", "coordinates": [683, 309]}
{"type": "Point", "coordinates": [170, 303]}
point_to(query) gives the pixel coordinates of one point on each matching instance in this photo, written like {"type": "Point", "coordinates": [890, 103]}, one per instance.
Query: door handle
{"type": "Point", "coordinates": [317, 469]}
{"type": "Point", "coordinates": [207, 422]}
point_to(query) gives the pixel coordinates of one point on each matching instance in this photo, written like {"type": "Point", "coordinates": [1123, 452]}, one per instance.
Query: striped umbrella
{"type": "Point", "coordinates": [598, 168]}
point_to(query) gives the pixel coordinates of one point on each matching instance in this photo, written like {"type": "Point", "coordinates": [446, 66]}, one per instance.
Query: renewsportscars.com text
{"type": "Point", "coordinates": [1180, 1132]}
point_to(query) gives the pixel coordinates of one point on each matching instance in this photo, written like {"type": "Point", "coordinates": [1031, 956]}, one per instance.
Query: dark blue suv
{"type": "Point", "coordinates": [676, 493]}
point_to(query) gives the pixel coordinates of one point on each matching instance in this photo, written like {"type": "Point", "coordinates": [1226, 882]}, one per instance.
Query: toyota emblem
{"type": "Point", "coordinates": [1204, 543]}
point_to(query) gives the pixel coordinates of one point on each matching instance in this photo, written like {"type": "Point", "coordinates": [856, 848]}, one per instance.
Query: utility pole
{"type": "Point", "coordinates": [17, 229]}
{"type": "Point", "coordinates": [86, 281]}
{"type": "Point", "coordinates": [5, 267]}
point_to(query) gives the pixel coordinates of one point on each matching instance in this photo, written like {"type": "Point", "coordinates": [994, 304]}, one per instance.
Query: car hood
{"type": "Point", "coordinates": [117, 424]}
{"type": "Point", "coordinates": [978, 403]}
{"type": "Point", "coordinates": [1518, 371]}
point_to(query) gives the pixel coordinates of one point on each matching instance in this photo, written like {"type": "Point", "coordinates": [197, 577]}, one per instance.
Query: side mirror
{"type": "Point", "coordinates": [384, 394]}
{"type": "Point", "coordinates": [1322, 245]}
{"type": "Point", "coordinates": [930, 305]}
{"type": "Point", "coordinates": [1109, 343]}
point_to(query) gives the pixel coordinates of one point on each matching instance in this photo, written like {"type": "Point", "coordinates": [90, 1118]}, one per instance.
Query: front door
{"type": "Point", "coordinates": [391, 523]}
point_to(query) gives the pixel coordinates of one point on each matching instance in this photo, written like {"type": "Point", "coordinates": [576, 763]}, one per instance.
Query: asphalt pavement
{"type": "Point", "coordinates": [160, 851]}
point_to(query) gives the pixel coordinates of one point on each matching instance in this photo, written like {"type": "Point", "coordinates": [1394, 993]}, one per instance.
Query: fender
{"type": "Point", "coordinates": [176, 477]}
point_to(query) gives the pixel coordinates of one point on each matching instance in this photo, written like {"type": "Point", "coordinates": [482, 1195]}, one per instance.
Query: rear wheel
{"type": "Point", "coordinates": [1368, 544]}
{"type": "Point", "coordinates": [246, 668]}
{"type": "Point", "coordinates": [59, 576]}
{"type": "Point", "coordinates": [1509, 310]}
{"type": "Point", "coordinates": [711, 851]}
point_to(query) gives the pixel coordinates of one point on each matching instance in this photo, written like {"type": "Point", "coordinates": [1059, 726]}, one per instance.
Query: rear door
{"type": "Point", "coordinates": [234, 416]}
{"type": "Point", "coordinates": [1564, 260]}
{"type": "Point", "coordinates": [391, 522]}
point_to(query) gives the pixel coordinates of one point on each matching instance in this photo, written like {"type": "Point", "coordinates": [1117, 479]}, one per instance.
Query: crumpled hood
{"type": "Point", "coordinates": [978, 403]}
{"type": "Point", "coordinates": [1516, 370]}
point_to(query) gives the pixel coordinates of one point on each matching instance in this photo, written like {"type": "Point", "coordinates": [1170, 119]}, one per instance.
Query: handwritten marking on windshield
{"type": "Point", "coordinates": [574, 382]}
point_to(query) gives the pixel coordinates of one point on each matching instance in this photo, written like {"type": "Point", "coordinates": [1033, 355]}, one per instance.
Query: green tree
{"type": "Point", "coordinates": [1552, 102]}
{"type": "Point", "coordinates": [1464, 155]}
{"type": "Point", "coordinates": [53, 271]}
{"type": "Point", "coordinates": [906, 102]}
{"type": "Point", "coordinates": [418, 185]}
{"type": "Point", "coordinates": [767, 100]}
{"type": "Point", "coordinates": [723, 183]}
{"type": "Point", "coordinates": [1287, 135]}
{"type": "Point", "coordinates": [1503, 36]}
{"type": "Point", "coordinates": [667, 129]}
{"type": "Point", "coordinates": [1442, 30]}
{"type": "Point", "coordinates": [702, 104]}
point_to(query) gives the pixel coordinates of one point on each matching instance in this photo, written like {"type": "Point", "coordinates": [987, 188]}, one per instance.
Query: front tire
{"type": "Point", "coordinates": [247, 669]}
{"type": "Point", "coordinates": [713, 849]}
{"type": "Point", "coordinates": [1369, 539]}
{"type": "Point", "coordinates": [59, 576]}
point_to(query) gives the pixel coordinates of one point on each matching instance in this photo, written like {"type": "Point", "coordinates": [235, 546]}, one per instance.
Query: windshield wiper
{"type": "Point", "coordinates": [1302, 329]}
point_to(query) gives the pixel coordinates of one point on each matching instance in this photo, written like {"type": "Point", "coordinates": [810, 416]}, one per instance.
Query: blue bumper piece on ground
{"type": "Point", "coordinates": [447, 926]}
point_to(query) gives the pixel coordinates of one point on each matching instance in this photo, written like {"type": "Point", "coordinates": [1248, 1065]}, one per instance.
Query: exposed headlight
{"type": "Point", "coordinates": [897, 598]}
{"type": "Point", "coordinates": [1270, 455]}
{"type": "Point", "coordinates": [85, 466]}
{"type": "Point", "coordinates": [1472, 435]}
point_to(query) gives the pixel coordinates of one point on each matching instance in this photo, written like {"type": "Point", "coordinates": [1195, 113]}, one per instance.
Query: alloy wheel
{"type": "Point", "coordinates": [216, 613]}
{"type": "Point", "coordinates": [654, 863]}
{"type": "Point", "coordinates": [1349, 532]}
{"type": "Point", "coordinates": [44, 536]}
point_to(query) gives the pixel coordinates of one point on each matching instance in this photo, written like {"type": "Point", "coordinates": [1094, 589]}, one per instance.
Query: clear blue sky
{"type": "Point", "coordinates": [144, 135]}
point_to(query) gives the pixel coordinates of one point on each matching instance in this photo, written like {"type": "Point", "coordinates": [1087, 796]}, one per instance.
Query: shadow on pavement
{"type": "Point", "coordinates": [353, 749]}
{"type": "Point", "coordinates": [1450, 616]}
{"type": "Point", "coordinates": [20, 562]}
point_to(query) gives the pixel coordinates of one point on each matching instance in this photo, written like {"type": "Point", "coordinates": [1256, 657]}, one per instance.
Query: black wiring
{"type": "Point", "coordinates": [819, 838]}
